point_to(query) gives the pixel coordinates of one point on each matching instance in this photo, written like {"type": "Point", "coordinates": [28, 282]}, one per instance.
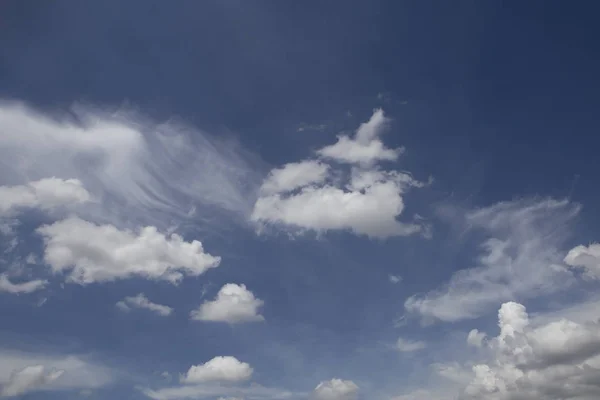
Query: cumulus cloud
{"type": "Point", "coordinates": [45, 194]}
{"type": "Point", "coordinates": [141, 301]}
{"type": "Point", "coordinates": [223, 369]}
{"type": "Point", "coordinates": [336, 389]}
{"type": "Point", "coordinates": [521, 257]}
{"type": "Point", "coordinates": [233, 304]}
{"type": "Point", "coordinates": [586, 258]}
{"type": "Point", "coordinates": [395, 279]}
{"type": "Point", "coordinates": [366, 200]}
{"type": "Point", "coordinates": [406, 345]}
{"type": "Point", "coordinates": [365, 147]}
{"type": "Point", "coordinates": [22, 287]}
{"type": "Point", "coordinates": [546, 357]}
{"type": "Point", "coordinates": [140, 172]}
{"type": "Point", "coordinates": [119, 254]}
{"type": "Point", "coordinates": [29, 379]}
{"type": "Point", "coordinates": [556, 360]}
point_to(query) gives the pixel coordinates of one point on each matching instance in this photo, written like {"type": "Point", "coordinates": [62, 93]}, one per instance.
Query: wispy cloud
{"type": "Point", "coordinates": [141, 172]}
{"type": "Point", "coordinates": [140, 301]}
{"type": "Point", "coordinates": [22, 372]}
{"type": "Point", "coordinates": [521, 257]}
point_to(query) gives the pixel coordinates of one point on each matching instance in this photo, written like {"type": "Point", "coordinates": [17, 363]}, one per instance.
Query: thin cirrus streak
{"type": "Point", "coordinates": [158, 174]}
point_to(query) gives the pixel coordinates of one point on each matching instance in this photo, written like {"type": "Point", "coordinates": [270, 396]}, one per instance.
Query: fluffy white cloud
{"type": "Point", "coordinates": [557, 360]}
{"type": "Point", "coordinates": [336, 389]}
{"type": "Point", "coordinates": [46, 194]}
{"type": "Point", "coordinates": [521, 257]}
{"type": "Point", "coordinates": [365, 147]}
{"type": "Point", "coordinates": [372, 213]}
{"type": "Point", "coordinates": [406, 346]}
{"type": "Point", "coordinates": [140, 171]}
{"type": "Point", "coordinates": [22, 287]}
{"type": "Point", "coordinates": [223, 369]}
{"type": "Point", "coordinates": [141, 301]}
{"type": "Point", "coordinates": [293, 176]}
{"type": "Point", "coordinates": [101, 253]}
{"type": "Point", "coordinates": [29, 379]}
{"type": "Point", "coordinates": [301, 197]}
{"type": "Point", "coordinates": [233, 304]}
{"type": "Point", "coordinates": [23, 372]}
{"type": "Point", "coordinates": [587, 258]}
{"type": "Point", "coordinates": [395, 279]}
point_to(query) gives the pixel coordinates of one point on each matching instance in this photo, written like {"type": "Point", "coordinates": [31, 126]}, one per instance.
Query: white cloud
{"type": "Point", "coordinates": [22, 287]}
{"type": "Point", "coordinates": [405, 345]}
{"type": "Point", "coordinates": [293, 176]}
{"type": "Point", "coordinates": [119, 254]}
{"type": "Point", "coordinates": [233, 304]}
{"type": "Point", "coordinates": [141, 301]}
{"type": "Point", "coordinates": [372, 213]}
{"type": "Point", "coordinates": [46, 194]}
{"type": "Point", "coordinates": [223, 369]}
{"type": "Point", "coordinates": [304, 196]}
{"type": "Point", "coordinates": [586, 258]}
{"type": "Point", "coordinates": [365, 147]}
{"type": "Point", "coordinates": [336, 389]}
{"type": "Point", "coordinates": [140, 171]}
{"type": "Point", "coordinates": [558, 360]}
{"type": "Point", "coordinates": [30, 371]}
{"type": "Point", "coordinates": [29, 379]}
{"type": "Point", "coordinates": [546, 357]}
{"type": "Point", "coordinates": [395, 279]}
{"type": "Point", "coordinates": [521, 258]}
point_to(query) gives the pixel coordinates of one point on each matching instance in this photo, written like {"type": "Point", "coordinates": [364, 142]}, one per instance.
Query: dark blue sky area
{"type": "Point", "coordinates": [489, 86]}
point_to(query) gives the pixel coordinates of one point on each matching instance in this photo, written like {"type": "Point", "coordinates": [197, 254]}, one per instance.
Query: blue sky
{"type": "Point", "coordinates": [299, 200]}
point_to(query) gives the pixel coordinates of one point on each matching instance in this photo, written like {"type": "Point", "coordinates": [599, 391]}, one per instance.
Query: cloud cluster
{"type": "Point", "coordinates": [233, 304]}
{"type": "Point", "coordinates": [140, 301]}
{"type": "Point", "coordinates": [309, 195]}
{"type": "Point", "coordinates": [556, 360]}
